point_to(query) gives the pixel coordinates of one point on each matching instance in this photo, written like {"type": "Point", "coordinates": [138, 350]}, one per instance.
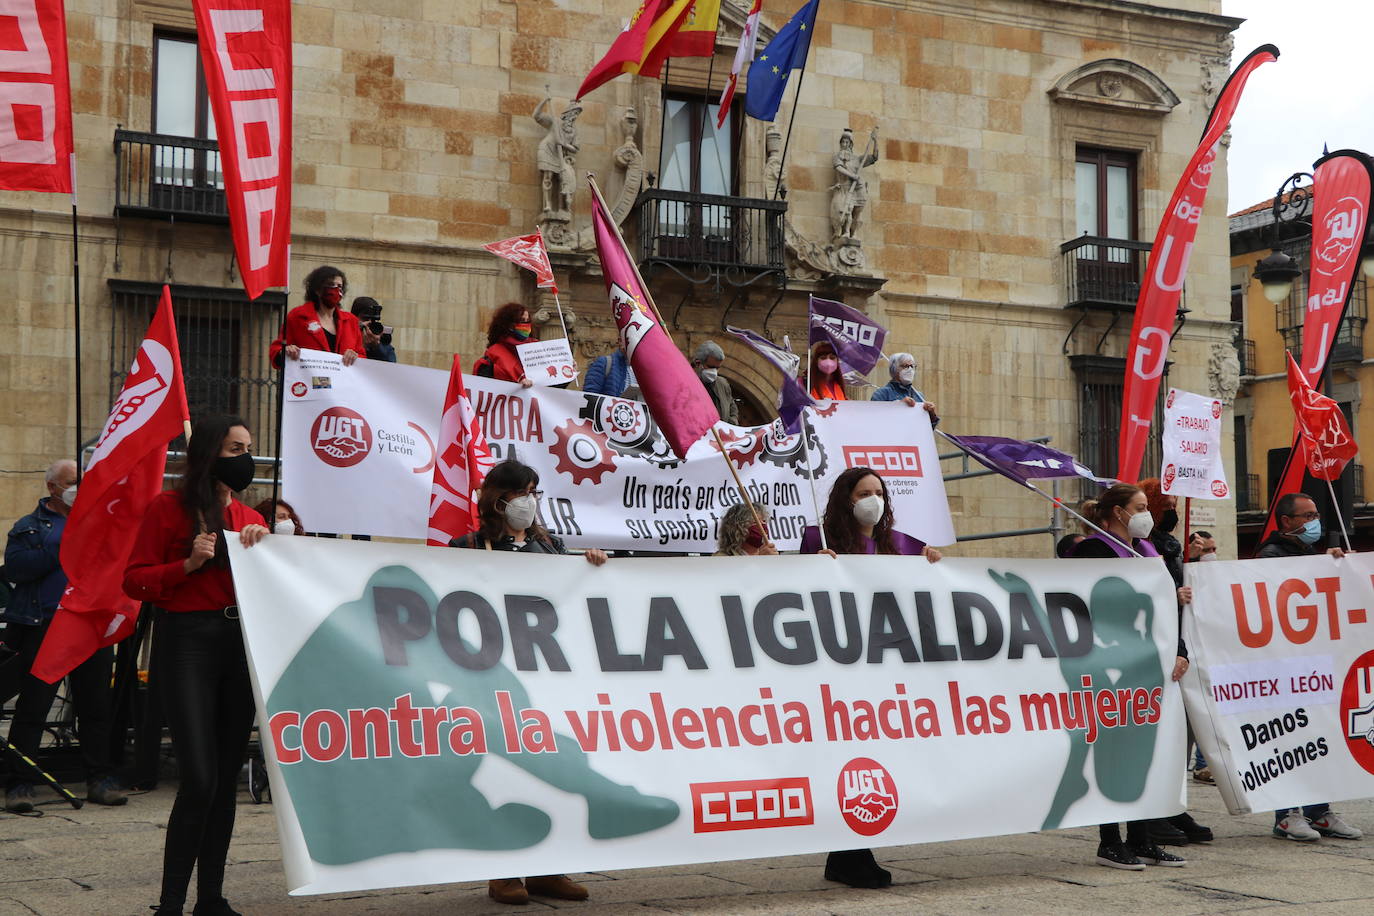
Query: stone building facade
{"type": "Point", "coordinates": [1004, 132]}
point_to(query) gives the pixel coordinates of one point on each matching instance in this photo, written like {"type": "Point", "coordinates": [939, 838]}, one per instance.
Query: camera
{"type": "Point", "coordinates": [369, 312]}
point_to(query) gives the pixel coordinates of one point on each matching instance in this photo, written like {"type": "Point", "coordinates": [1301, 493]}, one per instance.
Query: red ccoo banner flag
{"type": "Point", "coordinates": [460, 466]}
{"type": "Point", "coordinates": [1163, 284]}
{"type": "Point", "coordinates": [35, 98]}
{"type": "Point", "coordinates": [124, 475]}
{"type": "Point", "coordinates": [246, 46]}
{"type": "Point", "coordinates": [1342, 192]}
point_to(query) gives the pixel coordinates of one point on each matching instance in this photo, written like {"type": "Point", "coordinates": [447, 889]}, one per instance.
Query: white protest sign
{"type": "Point", "coordinates": [547, 362]}
{"type": "Point", "coordinates": [1192, 465]}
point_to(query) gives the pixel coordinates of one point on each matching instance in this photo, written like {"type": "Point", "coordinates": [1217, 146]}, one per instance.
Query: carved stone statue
{"type": "Point", "coordinates": [556, 157]}
{"type": "Point", "coordinates": [629, 160]}
{"type": "Point", "coordinates": [849, 194]}
{"type": "Point", "coordinates": [1223, 372]}
{"type": "Point", "coordinates": [774, 171]}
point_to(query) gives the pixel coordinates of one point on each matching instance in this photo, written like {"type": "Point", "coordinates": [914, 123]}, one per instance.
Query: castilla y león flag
{"type": "Point", "coordinates": [460, 465]}
{"type": "Point", "coordinates": [676, 397]}
{"type": "Point", "coordinates": [1162, 285]}
{"type": "Point", "coordinates": [124, 475]}
{"type": "Point", "coordinates": [1325, 433]}
{"type": "Point", "coordinates": [246, 47]}
{"type": "Point", "coordinates": [35, 98]}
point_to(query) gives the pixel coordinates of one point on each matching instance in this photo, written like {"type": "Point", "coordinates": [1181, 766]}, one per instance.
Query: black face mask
{"type": "Point", "coordinates": [1169, 520]}
{"type": "Point", "coordinates": [234, 471]}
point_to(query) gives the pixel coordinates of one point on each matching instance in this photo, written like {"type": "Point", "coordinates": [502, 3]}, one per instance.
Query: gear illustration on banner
{"type": "Point", "coordinates": [628, 429]}
{"type": "Point", "coordinates": [826, 411]}
{"type": "Point", "coordinates": [581, 452]}
{"type": "Point", "coordinates": [742, 450]}
{"type": "Point", "coordinates": [786, 451]}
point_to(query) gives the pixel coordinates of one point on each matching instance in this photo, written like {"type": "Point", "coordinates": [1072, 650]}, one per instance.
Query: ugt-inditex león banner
{"type": "Point", "coordinates": [1281, 691]}
{"type": "Point", "coordinates": [434, 715]}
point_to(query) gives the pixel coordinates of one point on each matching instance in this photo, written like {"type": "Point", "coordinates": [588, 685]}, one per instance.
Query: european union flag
{"type": "Point", "coordinates": [769, 71]}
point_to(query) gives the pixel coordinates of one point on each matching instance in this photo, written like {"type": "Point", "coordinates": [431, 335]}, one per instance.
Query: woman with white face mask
{"type": "Point", "coordinates": [858, 519]}
{"type": "Point", "coordinates": [901, 367]}
{"type": "Point", "coordinates": [282, 519]}
{"type": "Point", "coordinates": [508, 506]}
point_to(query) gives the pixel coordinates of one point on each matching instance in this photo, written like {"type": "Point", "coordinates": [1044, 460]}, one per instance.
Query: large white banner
{"type": "Point", "coordinates": [359, 447]}
{"type": "Point", "coordinates": [1281, 690]}
{"type": "Point", "coordinates": [509, 714]}
{"type": "Point", "coordinates": [1191, 463]}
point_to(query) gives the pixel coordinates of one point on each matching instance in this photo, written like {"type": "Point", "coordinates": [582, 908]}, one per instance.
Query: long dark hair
{"type": "Point", "coordinates": [317, 278]}
{"type": "Point", "coordinates": [841, 528]}
{"type": "Point", "coordinates": [503, 320]}
{"type": "Point", "coordinates": [506, 477]}
{"type": "Point", "coordinates": [203, 505]}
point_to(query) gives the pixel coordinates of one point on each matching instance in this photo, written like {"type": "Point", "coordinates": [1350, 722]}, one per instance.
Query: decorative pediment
{"type": "Point", "coordinates": [1117, 84]}
{"type": "Point", "coordinates": [732, 19]}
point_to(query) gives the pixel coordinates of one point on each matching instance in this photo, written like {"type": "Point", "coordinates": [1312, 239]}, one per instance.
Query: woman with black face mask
{"type": "Point", "coordinates": [179, 563]}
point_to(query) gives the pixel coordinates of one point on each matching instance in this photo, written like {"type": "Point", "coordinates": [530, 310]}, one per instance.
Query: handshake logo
{"type": "Point", "coordinates": [1357, 710]}
{"type": "Point", "coordinates": [867, 796]}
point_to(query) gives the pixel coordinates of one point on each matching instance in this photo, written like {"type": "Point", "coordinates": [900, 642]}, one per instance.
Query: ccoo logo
{"type": "Point", "coordinates": [341, 437]}
{"type": "Point", "coordinates": [867, 795]}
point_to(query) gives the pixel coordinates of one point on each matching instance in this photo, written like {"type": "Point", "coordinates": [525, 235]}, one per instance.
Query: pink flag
{"type": "Point", "coordinates": [460, 468]}
{"type": "Point", "coordinates": [676, 398]}
{"type": "Point", "coordinates": [527, 251]}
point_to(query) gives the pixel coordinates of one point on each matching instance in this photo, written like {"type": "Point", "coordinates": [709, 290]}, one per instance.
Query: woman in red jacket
{"type": "Point", "coordinates": [319, 323]}
{"type": "Point", "coordinates": [509, 327]}
{"type": "Point", "coordinates": [179, 563]}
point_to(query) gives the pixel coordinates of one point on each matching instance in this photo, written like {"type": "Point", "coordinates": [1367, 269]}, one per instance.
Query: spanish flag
{"type": "Point", "coordinates": [640, 48]}
{"type": "Point", "coordinates": [696, 37]}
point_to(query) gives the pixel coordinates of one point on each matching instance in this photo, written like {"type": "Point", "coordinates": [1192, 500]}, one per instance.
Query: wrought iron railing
{"type": "Point", "coordinates": [712, 231]}
{"type": "Point", "coordinates": [1248, 499]}
{"type": "Point", "coordinates": [1103, 273]}
{"type": "Point", "coordinates": [1357, 484]}
{"type": "Point", "coordinates": [158, 176]}
{"type": "Point", "coordinates": [1246, 352]}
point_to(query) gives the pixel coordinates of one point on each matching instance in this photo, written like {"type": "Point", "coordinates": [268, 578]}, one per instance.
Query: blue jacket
{"type": "Point", "coordinates": [895, 391]}
{"type": "Point", "coordinates": [607, 375]}
{"type": "Point", "coordinates": [32, 563]}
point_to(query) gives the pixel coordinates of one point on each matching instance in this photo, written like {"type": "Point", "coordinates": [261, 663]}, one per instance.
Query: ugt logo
{"type": "Point", "coordinates": [867, 795]}
{"type": "Point", "coordinates": [341, 437]}
{"type": "Point", "coordinates": [1357, 710]}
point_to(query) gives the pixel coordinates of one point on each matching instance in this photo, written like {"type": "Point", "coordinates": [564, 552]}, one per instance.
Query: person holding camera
{"type": "Point", "coordinates": [376, 336]}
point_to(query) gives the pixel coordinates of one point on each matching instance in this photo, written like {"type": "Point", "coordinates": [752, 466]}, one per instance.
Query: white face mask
{"type": "Point", "coordinates": [1207, 557]}
{"type": "Point", "coordinates": [710, 374]}
{"type": "Point", "coordinates": [520, 511]}
{"type": "Point", "coordinates": [1140, 525]}
{"type": "Point", "coordinates": [869, 510]}
{"type": "Point", "coordinates": [906, 376]}
{"type": "Point", "coordinates": [69, 496]}
{"type": "Point", "coordinates": [284, 526]}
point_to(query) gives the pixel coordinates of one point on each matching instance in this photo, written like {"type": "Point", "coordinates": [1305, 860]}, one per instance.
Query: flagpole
{"type": "Point", "coordinates": [663, 115]}
{"type": "Point", "coordinates": [76, 318]}
{"type": "Point", "coordinates": [796, 101]}
{"type": "Point", "coordinates": [1187, 524]}
{"type": "Point", "coordinates": [1336, 507]}
{"type": "Point", "coordinates": [952, 441]}
{"type": "Point", "coordinates": [811, 477]}
{"type": "Point", "coordinates": [281, 393]}
{"type": "Point", "coordinates": [634, 265]}
{"type": "Point", "coordinates": [556, 304]}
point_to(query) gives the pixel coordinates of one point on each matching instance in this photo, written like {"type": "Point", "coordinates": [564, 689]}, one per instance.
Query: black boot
{"type": "Point", "coordinates": [856, 868]}
{"type": "Point", "coordinates": [216, 907]}
{"type": "Point", "coordinates": [1195, 832]}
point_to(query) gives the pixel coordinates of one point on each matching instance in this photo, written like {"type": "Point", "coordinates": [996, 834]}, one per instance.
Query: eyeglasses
{"type": "Point", "coordinates": [1307, 516]}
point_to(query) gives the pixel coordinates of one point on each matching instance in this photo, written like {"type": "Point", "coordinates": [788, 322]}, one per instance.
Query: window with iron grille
{"type": "Point", "coordinates": [1101, 383]}
{"type": "Point", "coordinates": [224, 342]}
{"type": "Point", "coordinates": [1290, 314]}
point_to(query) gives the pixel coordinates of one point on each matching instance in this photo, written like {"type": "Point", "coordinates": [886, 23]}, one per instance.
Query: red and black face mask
{"type": "Point", "coordinates": [756, 536]}
{"type": "Point", "coordinates": [331, 296]}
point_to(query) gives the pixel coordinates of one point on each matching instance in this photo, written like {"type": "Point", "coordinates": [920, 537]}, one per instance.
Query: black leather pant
{"type": "Point", "coordinates": [199, 660]}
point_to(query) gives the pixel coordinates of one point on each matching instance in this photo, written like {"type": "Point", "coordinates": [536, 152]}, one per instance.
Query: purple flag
{"type": "Point", "coordinates": [1023, 460]}
{"type": "Point", "coordinates": [857, 339]}
{"type": "Point", "coordinates": [792, 398]}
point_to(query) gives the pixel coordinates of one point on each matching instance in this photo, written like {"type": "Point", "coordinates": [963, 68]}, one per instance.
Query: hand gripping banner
{"type": "Point", "coordinates": [1162, 285]}
{"type": "Point", "coordinates": [35, 98]}
{"type": "Point", "coordinates": [1342, 191]}
{"type": "Point", "coordinates": [246, 47]}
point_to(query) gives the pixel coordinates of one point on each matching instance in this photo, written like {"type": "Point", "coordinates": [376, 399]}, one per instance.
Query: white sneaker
{"type": "Point", "coordinates": [1295, 826]}
{"type": "Point", "coordinates": [1331, 824]}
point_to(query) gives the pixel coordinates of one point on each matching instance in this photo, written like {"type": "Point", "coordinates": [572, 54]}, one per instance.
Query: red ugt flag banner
{"type": "Point", "coordinates": [1163, 284]}
{"type": "Point", "coordinates": [675, 395]}
{"type": "Point", "coordinates": [35, 97]}
{"type": "Point", "coordinates": [1342, 191]}
{"type": "Point", "coordinates": [461, 466]}
{"type": "Point", "coordinates": [246, 46]}
{"type": "Point", "coordinates": [124, 475]}
{"type": "Point", "coordinates": [1325, 434]}
{"type": "Point", "coordinates": [528, 252]}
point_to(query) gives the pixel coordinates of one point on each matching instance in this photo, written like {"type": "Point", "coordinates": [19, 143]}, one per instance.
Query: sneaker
{"type": "Point", "coordinates": [105, 791]}
{"type": "Point", "coordinates": [1117, 855]}
{"type": "Point", "coordinates": [1204, 776]}
{"type": "Point", "coordinates": [1295, 826]}
{"type": "Point", "coordinates": [19, 798]}
{"type": "Point", "coordinates": [1165, 833]}
{"type": "Point", "coordinates": [1151, 854]}
{"type": "Point", "coordinates": [1331, 824]}
{"type": "Point", "coordinates": [1196, 832]}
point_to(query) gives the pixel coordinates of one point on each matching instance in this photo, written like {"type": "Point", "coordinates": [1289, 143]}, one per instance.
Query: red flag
{"type": "Point", "coordinates": [1325, 433]}
{"type": "Point", "coordinates": [528, 251]}
{"type": "Point", "coordinates": [247, 52]}
{"type": "Point", "coordinates": [461, 466]}
{"type": "Point", "coordinates": [1342, 189]}
{"type": "Point", "coordinates": [640, 45]}
{"type": "Point", "coordinates": [124, 475]}
{"type": "Point", "coordinates": [744, 56]}
{"type": "Point", "coordinates": [676, 397]}
{"type": "Point", "coordinates": [694, 37]}
{"type": "Point", "coordinates": [1163, 284]}
{"type": "Point", "coordinates": [35, 98]}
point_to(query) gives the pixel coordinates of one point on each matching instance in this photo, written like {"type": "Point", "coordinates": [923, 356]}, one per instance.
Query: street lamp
{"type": "Point", "coordinates": [1277, 271]}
